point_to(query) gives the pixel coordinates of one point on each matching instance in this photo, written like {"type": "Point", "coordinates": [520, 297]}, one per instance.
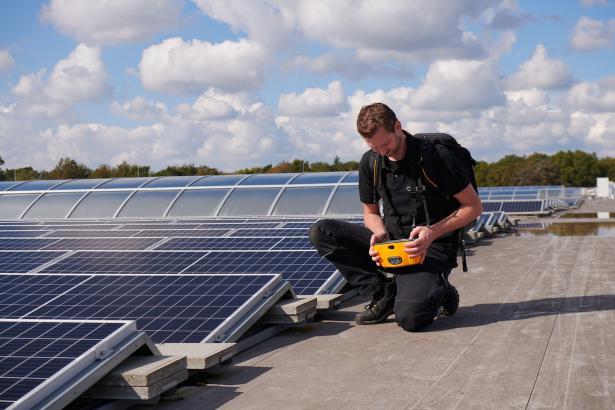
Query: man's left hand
{"type": "Point", "coordinates": [418, 247]}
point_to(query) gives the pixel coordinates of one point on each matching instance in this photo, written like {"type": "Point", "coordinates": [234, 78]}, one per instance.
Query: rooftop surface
{"type": "Point", "coordinates": [534, 330]}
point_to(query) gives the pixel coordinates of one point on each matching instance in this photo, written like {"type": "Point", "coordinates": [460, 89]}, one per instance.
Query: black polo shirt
{"type": "Point", "coordinates": [395, 178]}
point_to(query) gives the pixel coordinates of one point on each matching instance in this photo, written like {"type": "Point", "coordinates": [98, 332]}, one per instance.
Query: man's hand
{"type": "Point", "coordinates": [376, 238]}
{"type": "Point", "coordinates": [418, 247]}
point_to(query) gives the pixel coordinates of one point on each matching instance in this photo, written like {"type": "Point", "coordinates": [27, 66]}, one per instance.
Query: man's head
{"type": "Point", "coordinates": [381, 130]}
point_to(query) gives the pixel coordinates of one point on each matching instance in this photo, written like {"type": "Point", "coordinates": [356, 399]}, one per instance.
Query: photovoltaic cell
{"type": "Point", "coordinates": [270, 232]}
{"type": "Point", "coordinates": [25, 261]}
{"type": "Point", "coordinates": [181, 232]}
{"type": "Point", "coordinates": [21, 294]}
{"type": "Point", "coordinates": [25, 244]}
{"type": "Point", "coordinates": [22, 234]}
{"type": "Point", "coordinates": [32, 352]}
{"type": "Point", "coordinates": [491, 206]}
{"type": "Point", "coordinates": [114, 262]}
{"type": "Point", "coordinates": [306, 271]}
{"type": "Point", "coordinates": [219, 243]}
{"type": "Point", "coordinates": [66, 233]}
{"type": "Point", "coordinates": [102, 243]}
{"type": "Point", "coordinates": [261, 225]}
{"type": "Point", "coordinates": [522, 206]}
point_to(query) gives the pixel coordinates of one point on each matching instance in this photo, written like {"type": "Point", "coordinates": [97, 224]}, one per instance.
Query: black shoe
{"type": "Point", "coordinates": [450, 303]}
{"type": "Point", "coordinates": [381, 306]}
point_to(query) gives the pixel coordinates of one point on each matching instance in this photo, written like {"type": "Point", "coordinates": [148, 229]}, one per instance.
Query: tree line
{"type": "Point", "coordinates": [570, 168]}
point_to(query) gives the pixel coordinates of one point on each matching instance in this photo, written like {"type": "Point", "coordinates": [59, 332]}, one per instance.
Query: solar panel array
{"type": "Point", "coordinates": [181, 280]}
{"type": "Point", "coordinates": [282, 246]}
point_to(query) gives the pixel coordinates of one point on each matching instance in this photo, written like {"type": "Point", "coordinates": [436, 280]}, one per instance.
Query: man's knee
{"type": "Point", "coordinates": [415, 316]}
{"type": "Point", "coordinates": [322, 235]}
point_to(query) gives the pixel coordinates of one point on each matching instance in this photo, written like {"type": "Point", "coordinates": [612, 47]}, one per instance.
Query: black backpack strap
{"type": "Point", "coordinates": [426, 150]}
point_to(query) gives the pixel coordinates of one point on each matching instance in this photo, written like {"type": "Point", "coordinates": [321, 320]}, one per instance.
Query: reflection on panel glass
{"type": "Point", "coordinates": [4, 185]}
{"type": "Point", "coordinates": [148, 204]}
{"type": "Point", "coordinates": [54, 205]}
{"type": "Point", "coordinates": [249, 202]}
{"type": "Point", "coordinates": [353, 177]}
{"type": "Point", "coordinates": [318, 178]}
{"type": "Point", "coordinates": [197, 203]}
{"type": "Point", "coordinates": [267, 179]}
{"type": "Point", "coordinates": [171, 182]}
{"type": "Point", "coordinates": [80, 184]}
{"type": "Point", "coordinates": [37, 185]}
{"type": "Point", "coordinates": [302, 201]}
{"type": "Point", "coordinates": [12, 206]}
{"type": "Point", "coordinates": [219, 180]}
{"type": "Point", "coordinates": [345, 201]}
{"type": "Point", "coordinates": [99, 205]}
{"type": "Point", "coordinates": [124, 183]}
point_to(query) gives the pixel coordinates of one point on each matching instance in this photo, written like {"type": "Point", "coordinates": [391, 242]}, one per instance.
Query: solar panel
{"type": "Point", "coordinates": [181, 232]}
{"type": "Point", "coordinates": [102, 243]}
{"type": "Point", "coordinates": [270, 232]}
{"type": "Point", "coordinates": [522, 206]}
{"type": "Point", "coordinates": [491, 206]}
{"type": "Point", "coordinates": [22, 234]}
{"type": "Point", "coordinates": [20, 294]}
{"type": "Point", "coordinates": [67, 233]}
{"type": "Point", "coordinates": [306, 271]}
{"type": "Point", "coordinates": [245, 243]}
{"type": "Point", "coordinates": [120, 262]}
{"type": "Point", "coordinates": [300, 225]}
{"type": "Point", "coordinates": [25, 261]}
{"type": "Point", "coordinates": [37, 357]}
{"type": "Point", "coordinates": [262, 225]}
{"type": "Point", "coordinates": [25, 244]}
{"type": "Point", "coordinates": [169, 308]}
{"type": "Point", "coordinates": [219, 243]}
{"type": "Point", "coordinates": [141, 226]}
{"type": "Point", "coordinates": [20, 227]}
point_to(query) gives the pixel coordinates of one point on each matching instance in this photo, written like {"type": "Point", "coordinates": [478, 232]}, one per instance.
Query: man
{"type": "Point", "coordinates": [391, 171]}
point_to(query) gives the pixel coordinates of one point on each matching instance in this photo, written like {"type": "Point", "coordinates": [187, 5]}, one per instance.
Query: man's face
{"type": "Point", "coordinates": [384, 142]}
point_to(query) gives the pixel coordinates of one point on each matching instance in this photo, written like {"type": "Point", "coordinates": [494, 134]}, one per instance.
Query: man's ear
{"type": "Point", "coordinates": [397, 126]}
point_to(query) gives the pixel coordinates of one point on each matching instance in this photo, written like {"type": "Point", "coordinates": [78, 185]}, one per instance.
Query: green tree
{"type": "Point", "coordinates": [68, 168]}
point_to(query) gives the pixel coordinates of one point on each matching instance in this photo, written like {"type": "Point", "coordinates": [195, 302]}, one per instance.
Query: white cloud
{"type": "Point", "coordinates": [409, 25]}
{"type": "Point", "coordinates": [98, 22]}
{"type": "Point", "coordinates": [211, 106]}
{"type": "Point", "coordinates": [459, 85]}
{"type": "Point", "coordinates": [178, 66]}
{"type": "Point", "coordinates": [596, 96]}
{"type": "Point", "coordinates": [79, 77]}
{"type": "Point", "coordinates": [506, 16]}
{"type": "Point", "coordinates": [350, 65]}
{"type": "Point", "coordinates": [592, 34]}
{"type": "Point", "coordinates": [6, 61]}
{"type": "Point", "coordinates": [269, 22]}
{"type": "Point", "coordinates": [140, 109]}
{"type": "Point", "coordinates": [541, 72]}
{"type": "Point", "coordinates": [314, 102]}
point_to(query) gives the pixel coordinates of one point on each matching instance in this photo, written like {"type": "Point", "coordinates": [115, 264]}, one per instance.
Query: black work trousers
{"type": "Point", "coordinates": [420, 289]}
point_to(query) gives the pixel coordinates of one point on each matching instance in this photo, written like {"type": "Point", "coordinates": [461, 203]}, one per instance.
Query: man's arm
{"type": "Point", "coordinates": [373, 222]}
{"type": "Point", "coordinates": [470, 207]}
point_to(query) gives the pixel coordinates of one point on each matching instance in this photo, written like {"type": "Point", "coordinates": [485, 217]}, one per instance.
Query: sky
{"type": "Point", "coordinates": [234, 84]}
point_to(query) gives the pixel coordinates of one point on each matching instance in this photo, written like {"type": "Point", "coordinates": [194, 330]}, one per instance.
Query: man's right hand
{"type": "Point", "coordinates": [376, 238]}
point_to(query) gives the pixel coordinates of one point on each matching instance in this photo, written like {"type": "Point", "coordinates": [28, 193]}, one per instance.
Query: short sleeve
{"type": "Point", "coordinates": [367, 191]}
{"type": "Point", "coordinates": [451, 173]}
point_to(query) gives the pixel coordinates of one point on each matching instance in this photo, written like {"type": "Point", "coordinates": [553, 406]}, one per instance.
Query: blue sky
{"type": "Point", "coordinates": [233, 84]}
